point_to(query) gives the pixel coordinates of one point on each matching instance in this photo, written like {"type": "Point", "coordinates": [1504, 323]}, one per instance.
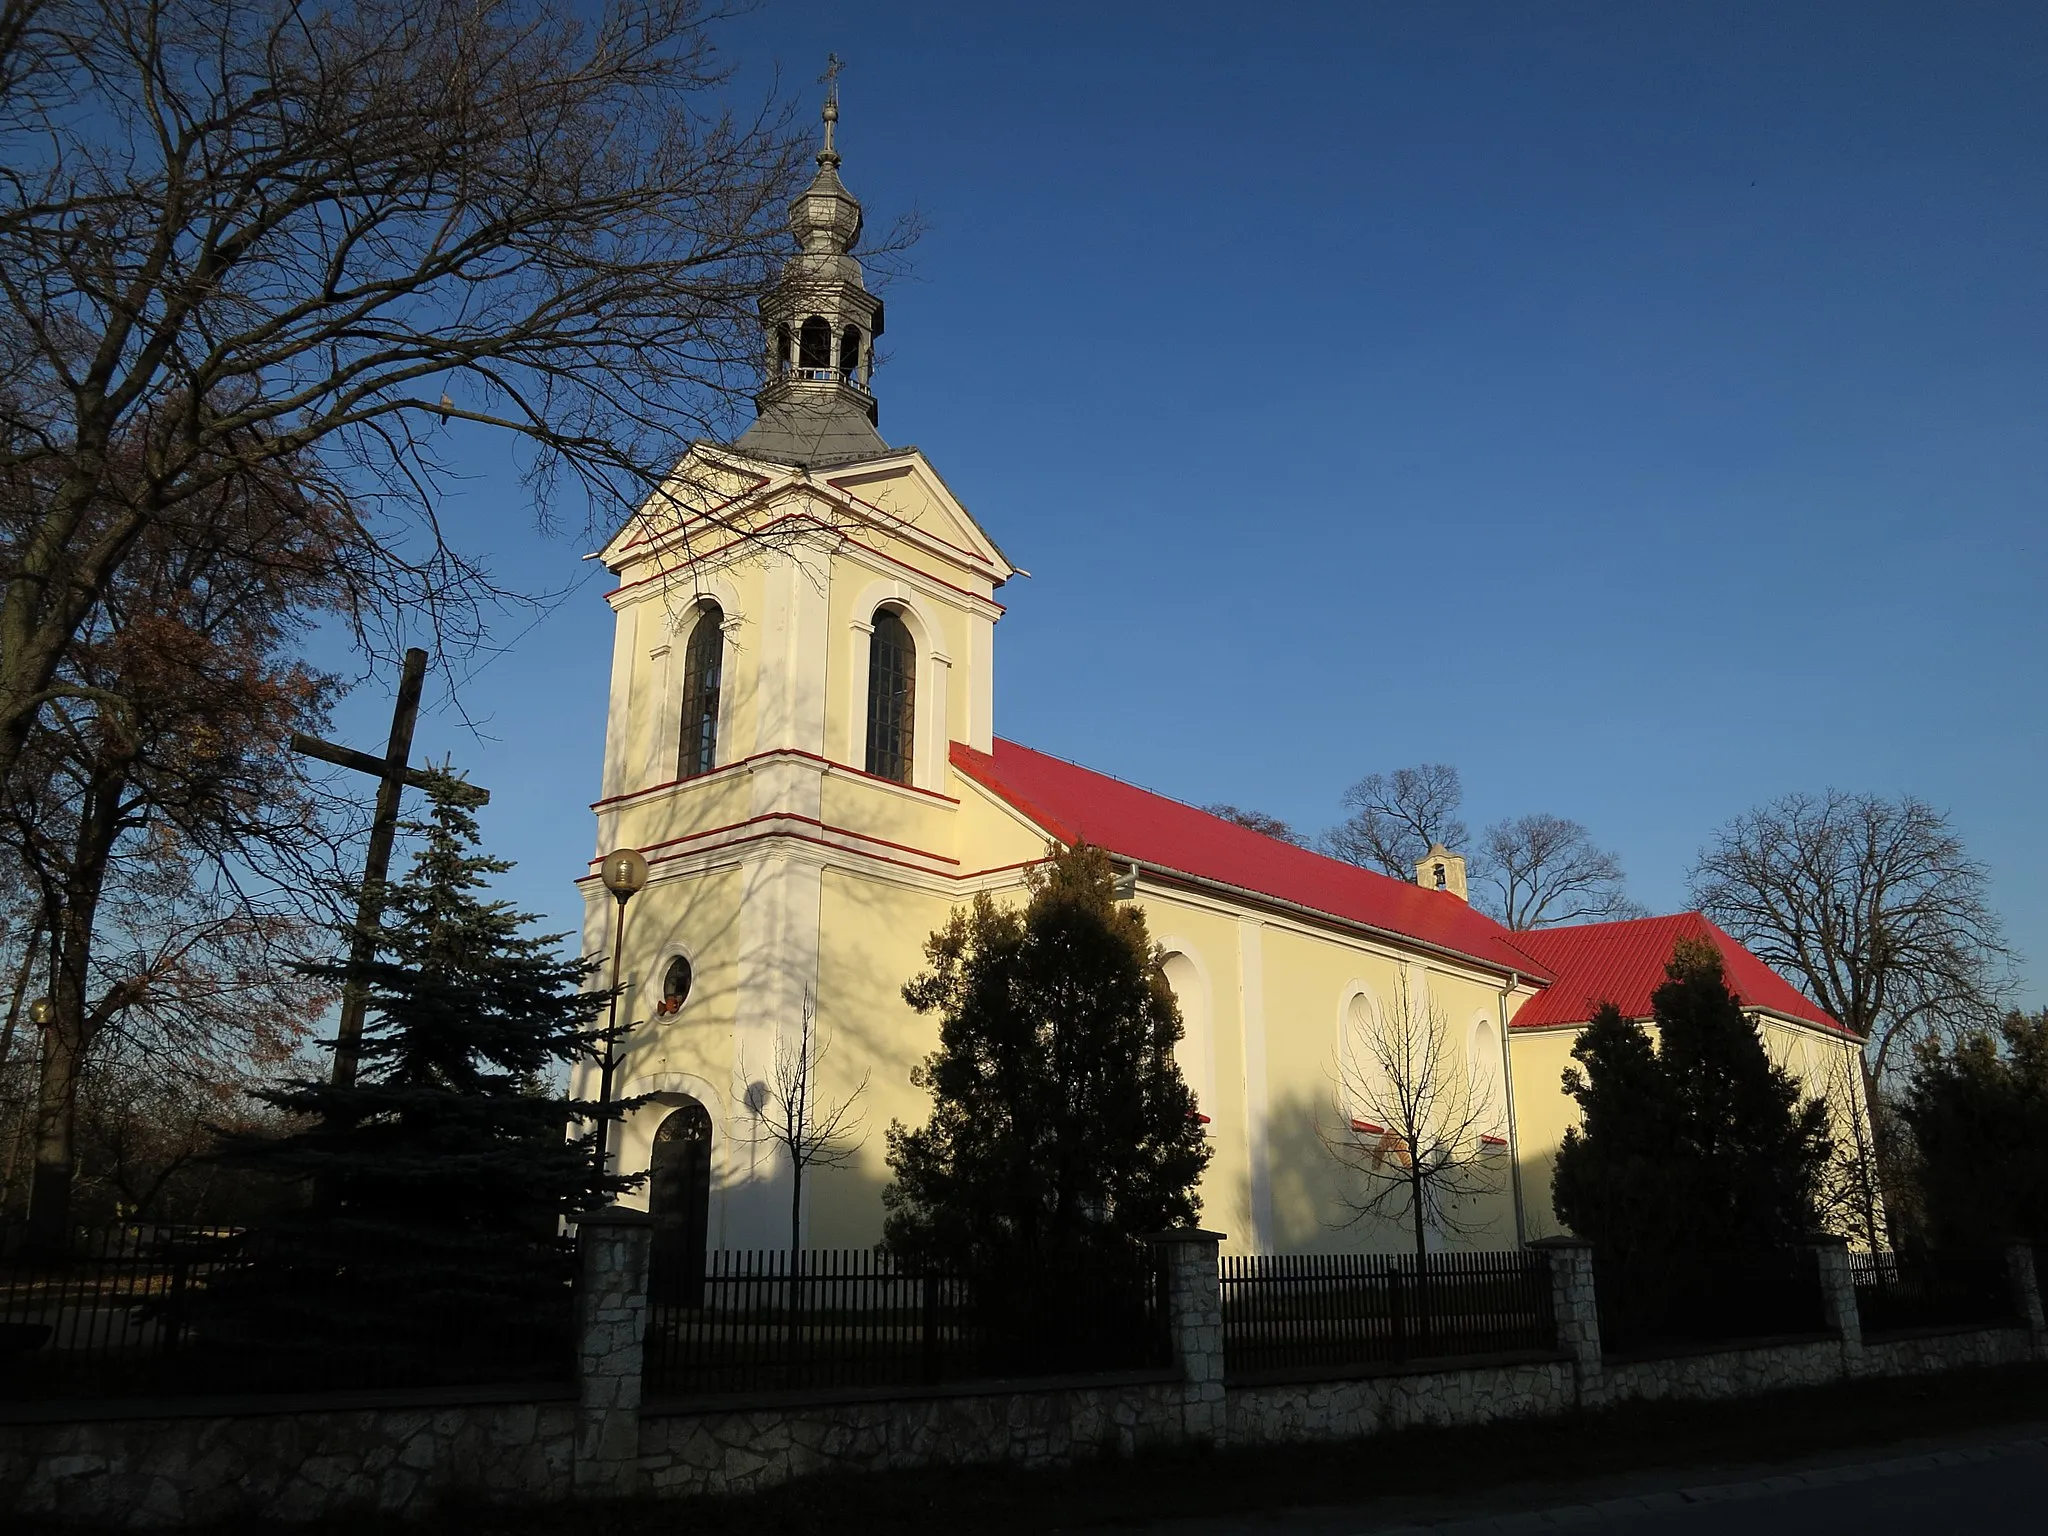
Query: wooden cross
{"type": "Point", "coordinates": [393, 775]}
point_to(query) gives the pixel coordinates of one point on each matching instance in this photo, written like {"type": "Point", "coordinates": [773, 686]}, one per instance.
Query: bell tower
{"type": "Point", "coordinates": [817, 400]}
{"type": "Point", "coordinates": [805, 632]}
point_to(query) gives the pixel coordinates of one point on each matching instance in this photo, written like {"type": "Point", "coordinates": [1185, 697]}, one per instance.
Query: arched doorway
{"type": "Point", "coordinates": [679, 1200]}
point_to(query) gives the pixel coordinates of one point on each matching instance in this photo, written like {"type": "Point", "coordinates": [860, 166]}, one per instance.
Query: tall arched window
{"type": "Point", "coordinates": [703, 667]}
{"type": "Point", "coordinates": [1193, 1052]}
{"type": "Point", "coordinates": [785, 348]}
{"type": "Point", "coordinates": [849, 351]}
{"type": "Point", "coordinates": [892, 697]}
{"type": "Point", "coordinates": [814, 344]}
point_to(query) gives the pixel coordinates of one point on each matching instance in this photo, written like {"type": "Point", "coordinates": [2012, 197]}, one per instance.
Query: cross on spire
{"type": "Point", "coordinates": [830, 80]}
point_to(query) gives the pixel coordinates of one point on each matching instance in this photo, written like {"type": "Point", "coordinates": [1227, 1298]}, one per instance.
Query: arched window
{"type": "Point", "coordinates": [892, 697]}
{"type": "Point", "coordinates": [785, 348]}
{"type": "Point", "coordinates": [679, 1200]}
{"type": "Point", "coordinates": [1483, 1067]}
{"type": "Point", "coordinates": [849, 351]}
{"type": "Point", "coordinates": [703, 667]}
{"type": "Point", "coordinates": [1193, 1052]}
{"type": "Point", "coordinates": [814, 344]}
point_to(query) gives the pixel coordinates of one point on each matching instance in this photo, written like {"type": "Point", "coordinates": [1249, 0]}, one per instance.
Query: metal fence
{"type": "Point", "coordinates": [1898, 1291]}
{"type": "Point", "coordinates": [1648, 1301]}
{"type": "Point", "coordinates": [147, 1310]}
{"type": "Point", "coordinates": [748, 1321]}
{"type": "Point", "coordinates": [1288, 1312]}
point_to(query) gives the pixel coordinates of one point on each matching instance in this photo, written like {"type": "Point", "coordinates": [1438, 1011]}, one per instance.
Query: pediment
{"type": "Point", "coordinates": [905, 496]}
{"type": "Point", "coordinates": [717, 500]}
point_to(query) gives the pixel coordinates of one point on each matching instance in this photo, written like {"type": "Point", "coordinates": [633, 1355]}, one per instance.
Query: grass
{"type": "Point", "coordinates": [1106, 1494]}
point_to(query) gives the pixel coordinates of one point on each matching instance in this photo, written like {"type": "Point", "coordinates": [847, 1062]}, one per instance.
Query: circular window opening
{"type": "Point", "coordinates": [675, 986]}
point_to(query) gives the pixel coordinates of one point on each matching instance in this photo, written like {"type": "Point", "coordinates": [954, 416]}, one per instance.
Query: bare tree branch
{"type": "Point", "coordinates": [1871, 905]}
{"type": "Point", "coordinates": [1414, 1122]}
{"type": "Point", "coordinates": [1396, 818]}
{"type": "Point", "coordinates": [1259, 822]}
{"type": "Point", "coordinates": [244, 233]}
{"type": "Point", "coordinates": [1540, 870]}
{"type": "Point", "coordinates": [790, 1112]}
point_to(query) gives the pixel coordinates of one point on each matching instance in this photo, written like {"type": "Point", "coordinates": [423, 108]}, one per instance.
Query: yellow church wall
{"type": "Point", "coordinates": [1543, 1111]}
{"type": "Point", "coordinates": [689, 1052]}
{"type": "Point", "coordinates": [1310, 979]}
{"type": "Point", "coordinates": [987, 835]}
{"type": "Point", "coordinates": [655, 822]}
{"type": "Point", "coordinates": [891, 815]}
{"type": "Point", "coordinates": [1203, 966]}
{"type": "Point", "coordinates": [871, 942]}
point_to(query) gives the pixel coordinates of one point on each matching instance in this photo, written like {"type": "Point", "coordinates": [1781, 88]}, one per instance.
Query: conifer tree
{"type": "Point", "coordinates": [1060, 1122]}
{"type": "Point", "coordinates": [1695, 1144]}
{"type": "Point", "coordinates": [439, 1179]}
{"type": "Point", "coordinates": [1978, 1112]}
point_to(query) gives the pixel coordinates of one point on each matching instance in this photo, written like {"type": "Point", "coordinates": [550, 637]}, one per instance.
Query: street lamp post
{"type": "Point", "coordinates": [624, 872]}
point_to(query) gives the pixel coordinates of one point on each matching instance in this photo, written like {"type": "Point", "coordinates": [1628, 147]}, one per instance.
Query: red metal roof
{"type": "Point", "coordinates": [1074, 804]}
{"type": "Point", "coordinates": [1623, 963]}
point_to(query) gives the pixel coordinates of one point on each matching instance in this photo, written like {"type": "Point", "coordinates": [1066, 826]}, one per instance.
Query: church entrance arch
{"type": "Point", "coordinates": [679, 1200]}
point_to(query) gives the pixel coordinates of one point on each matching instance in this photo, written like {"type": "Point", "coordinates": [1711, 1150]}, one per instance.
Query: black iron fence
{"type": "Point", "coordinates": [749, 1321]}
{"type": "Point", "coordinates": [1898, 1291]}
{"type": "Point", "coordinates": [1288, 1312]}
{"type": "Point", "coordinates": [147, 1310]}
{"type": "Point", "coordinates": [1652, 1300]}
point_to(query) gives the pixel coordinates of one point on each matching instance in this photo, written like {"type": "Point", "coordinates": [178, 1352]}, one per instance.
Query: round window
{"type": "Point", "coordinates": [675, 986]}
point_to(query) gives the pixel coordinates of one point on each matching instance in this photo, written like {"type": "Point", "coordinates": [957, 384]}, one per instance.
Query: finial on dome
{"type": "Point", "coordinates": [830, 79]}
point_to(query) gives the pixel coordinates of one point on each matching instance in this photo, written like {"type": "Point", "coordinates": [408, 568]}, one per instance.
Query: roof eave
{"type": "Point", "coordinates": [1390, 936]}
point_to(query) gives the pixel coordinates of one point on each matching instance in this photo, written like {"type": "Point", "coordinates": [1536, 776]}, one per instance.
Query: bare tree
{"type": "Point", "coordinates": [790, 1112]}
{"type": "Point", "coordinates": [1414, 1122]}
{"type": "Point", "coordinates": [1396, 818]}
{"type": "Point", "coordinates": [1259, 822]}
{"type": "Point", "coordinates": [156, 810]}
{"type": "Point", "coordinates": [1537, 871]}
{"type": "Point", "coordinates": [237, 234]}
{"type": "Point", "coordinates": [1871, 905]}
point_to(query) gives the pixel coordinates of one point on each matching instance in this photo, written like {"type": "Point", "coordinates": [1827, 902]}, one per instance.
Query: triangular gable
{"type": "Point", "coordinates": [900, 496]}
{"type": "Point", "coordinates": [725, 487]}
{"type": "Point", "coordinates": [907, 495]}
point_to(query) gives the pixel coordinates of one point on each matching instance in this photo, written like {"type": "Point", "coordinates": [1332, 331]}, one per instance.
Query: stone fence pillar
{"type": "Point", "coordinates": [1194, 1301]}
{"type": "Point", "coordinates": [2026, 1293]}
{"type": "Point", "coordinates": [611, 1341]}
{"type": "Point", "coordinates": [1577, 1309]}
{"type": "Point", "coordinates": [1838, 1297]}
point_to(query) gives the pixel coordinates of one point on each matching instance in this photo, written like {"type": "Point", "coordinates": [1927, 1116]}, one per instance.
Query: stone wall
{"type": "Point", "coordinates": [1706, 1374]}
{"type": "Point", "coordinates": [1292, 1412]}
{"type": "Point", "coordinates": [1955, 1349]}
{"type": "Point", "coordinates": [727, 1448]}
{"type": "Point", "coordinates": [284, 1460]}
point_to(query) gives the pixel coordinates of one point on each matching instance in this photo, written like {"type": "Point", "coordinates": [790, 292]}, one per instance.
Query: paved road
{"type": "Point", "coordinates": [1985, 1489]}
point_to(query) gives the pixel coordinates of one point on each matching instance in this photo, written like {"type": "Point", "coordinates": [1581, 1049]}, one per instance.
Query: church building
{"type": "Point", "coordinates": [802, 744]}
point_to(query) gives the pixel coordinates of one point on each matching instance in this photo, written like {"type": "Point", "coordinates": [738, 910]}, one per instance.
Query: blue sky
{"type": "Point", "coordinates": [1644, 408]}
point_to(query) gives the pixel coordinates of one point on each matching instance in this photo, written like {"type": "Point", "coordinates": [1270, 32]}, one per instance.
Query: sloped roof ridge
{"type": "Point", "coordinates": [1065, 798]}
